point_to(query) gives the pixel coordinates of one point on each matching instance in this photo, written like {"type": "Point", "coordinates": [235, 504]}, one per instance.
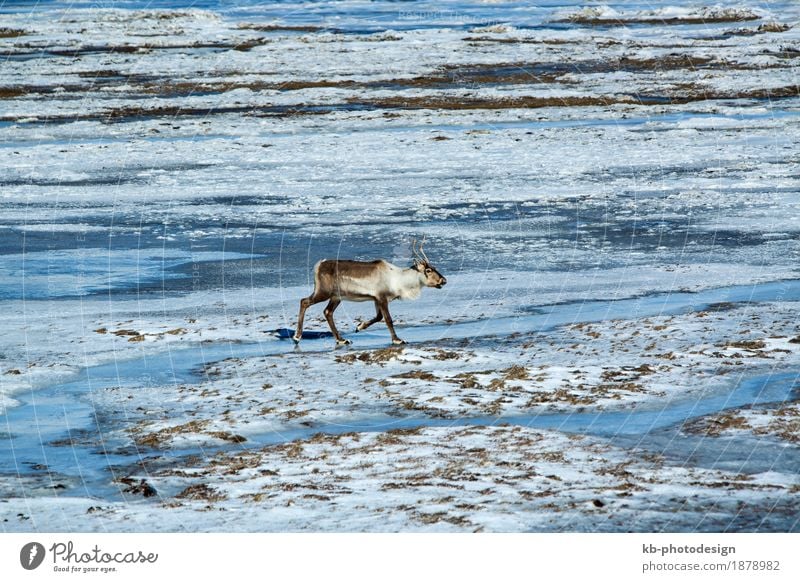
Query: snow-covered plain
{"type": "Point", "coordinates": [611, 191]}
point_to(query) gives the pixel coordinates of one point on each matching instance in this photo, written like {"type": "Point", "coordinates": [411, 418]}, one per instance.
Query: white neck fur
{"type": "Point", "coordinates": [409, 284]}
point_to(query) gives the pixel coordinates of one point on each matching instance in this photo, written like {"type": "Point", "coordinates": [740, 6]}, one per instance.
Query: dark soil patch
{"type": "Point", "coordinates": [725, 16]}
{"type": "Point", "coordinates": [179, 89]}
{"type": "Point", "coordinates": [72, 52]}
{"type": "Point", "coordinates": [11, 92]}
{"type": "Point", "coordinates": [785, 53]}
{"type": "Point", "coordinates": [686, 93]}
{"type": "Point", "coordinates": [472, 75]}
{"type": "Point", "coordinates": [280, 27]}
{"type": "Point", "coordinates": [552, 72]}
{"type": "Point", "coordinates": [140, 487]}
{"type": "Point", "coordinates": [747, 345]}
{"type": "Point", "coordinates": [761, 29]}
{"type": "Point", "coordinates": [79, 438]}
{"type": "Point", "coordinates": [720, 307]}
{"type": "Point", "coordinates": [489, 74]}
{"type": "Point", "coordinates": [23, 90]}
{"type": "Point", "coordinates": [690, 93]}
{"type": "Point", "coordinates": [11, 32]}
{"type": "Point", "coordinates": [510, 40]}
{"type": "Point", "coordinates": [461, 103]}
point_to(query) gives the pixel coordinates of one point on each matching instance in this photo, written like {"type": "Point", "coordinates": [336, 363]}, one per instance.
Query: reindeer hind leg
{"type": "Point", "coordinates": [365, 324]}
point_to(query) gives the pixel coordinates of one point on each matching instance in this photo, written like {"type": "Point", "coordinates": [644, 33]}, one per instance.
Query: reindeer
{"type": "Point", "coordinates": [378, 281]}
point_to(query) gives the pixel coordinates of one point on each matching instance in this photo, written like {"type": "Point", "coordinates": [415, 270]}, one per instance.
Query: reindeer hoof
{"type": "Point", "coordinates": [343, 342]}
{"type": "Point", "coordinates": [398, 342]}
{"type": "Point", "coordinates": [296, 339]}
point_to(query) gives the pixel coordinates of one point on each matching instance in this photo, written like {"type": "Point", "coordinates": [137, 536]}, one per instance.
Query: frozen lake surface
{"type": "Point", "coordinates": [610, 190]}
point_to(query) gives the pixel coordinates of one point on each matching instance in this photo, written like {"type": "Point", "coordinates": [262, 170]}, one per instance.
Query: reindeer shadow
{"type": "Point", "coordinates": [286, 333]}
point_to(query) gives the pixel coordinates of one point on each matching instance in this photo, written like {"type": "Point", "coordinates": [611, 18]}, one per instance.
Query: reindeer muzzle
{"type": "Point", "coordinates": [442, 284]}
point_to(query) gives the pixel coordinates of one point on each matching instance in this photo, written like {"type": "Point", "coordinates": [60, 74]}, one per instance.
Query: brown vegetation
{"type": "Point", "coordinates": [201, 492]}
{"type": "Point", "coordinates": [371, 357]}
{"type": "Point", "coordinates": [11, 32]}
{"type": "Point", "coordinates": [720, 17]}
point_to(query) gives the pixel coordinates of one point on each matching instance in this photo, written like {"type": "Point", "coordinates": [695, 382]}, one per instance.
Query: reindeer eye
{"type": "Point", "coordinates": [427, 271]}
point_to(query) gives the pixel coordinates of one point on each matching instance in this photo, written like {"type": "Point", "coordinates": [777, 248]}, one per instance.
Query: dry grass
{"type": "Point", "coordinates": [442, 355]}
{"type": "Point", "coordinates": [11, 32]}
{"type": "Point", "coordinates": [227, 436]}
{"type": "Point", "coordinates": [242, 45]}
{"type": "Point", "coordinates": [279, 27]}
{"type": "Point", "coordinates": [747, 345]}
{"type": "Point", "coordinates": [787, 429]}
{"type": "Point", "coordinates": [163, 436]}
{"type": "Point", "coordinates": [689, 93]}
{"type": "Point", "coordinates": [785, 424]}
{"type": "Point", "coordinates": [466, 380]}
{"type": "Point", "coordinates": [125, 332]}
{"type": "Point", "coordinates": [201, 492]}
{"type": "Point", "coordinates": [418, 375]}
{"type": "Point", "coordinates": [24, 90]}
{"type": "Point", "coordinates": [767, 27]}
{"type": "Point", "coordinates": [372, 356]}
{"type": "Point", "coordinates": [516, 373]}
{"type": "Point", "coordinates": [483, 74]}
{"type": "Point", "coordinates": [451, 103]}
{"type": "Point", "coordinates": [720, 17]}
{"type": "Point", "coordinates": [773, 27]}
{"type": "Point", "coordinates": [177, 89]}
{"type": "Point", "coordinates": [717, 425]}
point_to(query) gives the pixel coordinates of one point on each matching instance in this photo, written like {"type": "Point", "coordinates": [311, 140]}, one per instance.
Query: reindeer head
{"type": "Point", "coordinates": [433, 278]}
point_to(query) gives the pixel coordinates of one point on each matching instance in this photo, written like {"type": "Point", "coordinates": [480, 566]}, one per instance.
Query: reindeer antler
{"type": "Point", "coordinates": [422, 251]}
{"type": "Point", "coordinates": [414, 251]}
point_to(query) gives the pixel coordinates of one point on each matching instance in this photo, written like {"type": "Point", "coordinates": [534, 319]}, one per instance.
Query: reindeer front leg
{"type": "Point", "coordinates": [305, 303]}
{"type": "Point", "coordinates": [365, 324]}
{"type": "Point", "coordinates": [383, 305]}
{"type": "Point", "coordinates": [329, 309]}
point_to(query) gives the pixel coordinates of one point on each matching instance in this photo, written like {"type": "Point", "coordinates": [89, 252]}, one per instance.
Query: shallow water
{"type": "Point", "coordinates": [358, 16]}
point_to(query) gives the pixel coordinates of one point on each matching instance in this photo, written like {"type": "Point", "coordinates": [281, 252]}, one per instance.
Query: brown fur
{"type": "Point", "coordinates": [335, 280]}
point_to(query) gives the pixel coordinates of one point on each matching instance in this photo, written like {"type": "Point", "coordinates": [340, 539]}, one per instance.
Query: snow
{"type": "Point", "coordinates": [614, 208]}
{"type": "Point", "coordinates": [445, 480]}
